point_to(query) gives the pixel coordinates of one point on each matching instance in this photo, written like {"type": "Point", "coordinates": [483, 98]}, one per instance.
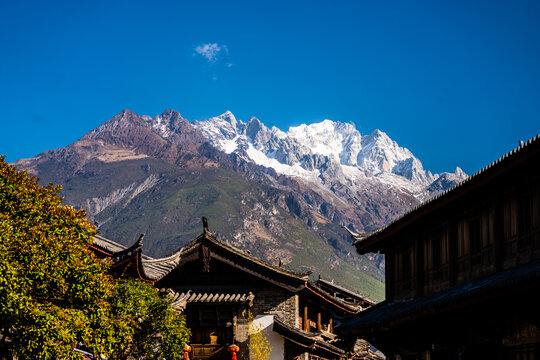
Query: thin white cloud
{"type": "Point", "coordinates": [210, 51]}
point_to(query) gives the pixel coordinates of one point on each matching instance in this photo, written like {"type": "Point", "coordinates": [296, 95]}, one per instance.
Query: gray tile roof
{"type": "Point", "coordinates": [307, 339]}
{"type": "Point", "coordinates": [179, 299]}
{"type": "Point", "coordinates": [154, 269]}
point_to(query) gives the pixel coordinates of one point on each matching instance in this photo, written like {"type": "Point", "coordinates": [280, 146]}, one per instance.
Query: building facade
{"type": "Point", "coordinates": [217, 287]}
{"type": "Point", "coordinates": [463, 269]}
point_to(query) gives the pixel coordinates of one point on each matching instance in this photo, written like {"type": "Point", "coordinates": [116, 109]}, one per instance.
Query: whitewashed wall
{"type": "Point", "coordinates": [277, 343]}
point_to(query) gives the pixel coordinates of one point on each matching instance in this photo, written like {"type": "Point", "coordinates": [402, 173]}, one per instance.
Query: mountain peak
{"type": "Point", "coordinates": [168, 113]}
{"type": "Point", "coordinates": [221, 129]}
{"type": "Point", "coordinates": [336, 140]}
{"type": "Point", "coordinates": [124, 114]}
{"type": "Point", "coordinates": [327, 151]}
{"type": "Point", "coordinates": [376, 134]}
{"type": "Point", "coordinates": [123, 120]}
{"type": "Point", "coordinates": [254, 119]}
{"type": "Point", "coordinates": [253, 127]}
{"type": "Point", "coordinates": [460, 173]}
{"type": "Point", "coordinates": [328, 122]}
{"type": "Point", "coordinates": [168, 123]}
{"type": "Point", "coordinates": [228, 117]}
{"type": "Point", "coordinates": [126, 111]}
{"type": "Point", "coordinates": [322, 175]}
{"type": "Point", "coordinates": [317, 127]}
{"type": "Point", "coordinates": [379, 139]}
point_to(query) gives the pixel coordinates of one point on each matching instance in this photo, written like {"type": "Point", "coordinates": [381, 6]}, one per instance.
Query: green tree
{"type": "Point", "coordinates": [53, 291]}
{"type": "Point", "coordinates": [156, 330]}
{"type": "Point", "coordinates": [258, 344]}
{"type": "Point", "coordinates": [55, 295]}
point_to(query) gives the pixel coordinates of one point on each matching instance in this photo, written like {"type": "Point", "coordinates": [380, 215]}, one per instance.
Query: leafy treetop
{"type": "Point", "coordinates": [55, 295]}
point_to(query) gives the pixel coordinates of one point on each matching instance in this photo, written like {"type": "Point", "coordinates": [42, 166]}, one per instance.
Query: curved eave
{"type": "Point", "coordinates": [130, 251]}
{"type": "Point", "coordinates": [289, 273]}
{"type": "Point", "coordinates": [352, 293]}
{"type": "Point", "coordinates": [331, 300]}
{"type": "Point", "coordinates": [374, 241]}
{"type": "Point", "coordinates": [146, 267]}
{"type": "Point", "coordinates": [103, 251]}
{"type": "Point", "coordinates": [305, 339]}
{"type": "Point", "coordinates": [233, 256]}
{"type": "Point", "coordinates": [155, 269]}
{"type": "Point", "coordinates": [106, 246]}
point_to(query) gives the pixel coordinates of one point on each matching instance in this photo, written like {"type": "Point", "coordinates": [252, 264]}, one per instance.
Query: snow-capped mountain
{"type": "Point", "coordinates": [284, 196]}
{"type": "Point", "coordinates": [326, 153]}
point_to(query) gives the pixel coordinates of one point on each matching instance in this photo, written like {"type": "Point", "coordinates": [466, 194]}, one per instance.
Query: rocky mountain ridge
{"type": "Point", "coordinates": [284, 196]}
{"type": "Point", "coordinates": [324, 153]}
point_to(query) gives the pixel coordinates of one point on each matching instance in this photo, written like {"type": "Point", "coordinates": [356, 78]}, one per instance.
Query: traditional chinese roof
{"type": "Point", "coordinates": [372, 242]}
{"type": "Point", "coordinates": [106, 246]}
{"type": "Point", "coordinates": [312, 341]}
{"type": "Point", "coordinates": [363, 350]}
{"type": "Point", "coordinates": [153, 270]}
{"type": "Point", "coordinates": [348, 307]}
{"type": "Point", "coordinates": [179, 300]}
{"type": "Point", "coordinates": [389, 314]}
{"type": "Point", "coordinates": [342, 293]}
{"type": "Point", "coordinates": [208, 244]}
{"type": "Point", "coordinates": [129, 261]}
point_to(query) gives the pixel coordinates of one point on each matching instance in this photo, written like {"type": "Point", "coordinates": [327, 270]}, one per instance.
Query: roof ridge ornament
{"type": "Point", "coordinates": [205, 225]}
{"type": "Point", "coordinates": [352, 233]}
{"type": "Point", "coordinates": [357, 237]}
{"type": "Point", "coordinates": [139, 242]}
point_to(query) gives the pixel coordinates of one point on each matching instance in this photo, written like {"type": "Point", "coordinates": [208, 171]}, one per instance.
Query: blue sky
{"type": "Point", "coordinates": [456, 82]}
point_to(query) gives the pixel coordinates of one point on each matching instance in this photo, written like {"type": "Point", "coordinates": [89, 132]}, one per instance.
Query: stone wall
{"type": "Point", "coordinates": [277, 302]}
{"type": "Point", "coordinates": [242, 330]}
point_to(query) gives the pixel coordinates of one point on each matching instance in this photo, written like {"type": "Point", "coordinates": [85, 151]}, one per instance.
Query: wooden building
{"type": "Point", "coordinates": [216, 286]}
{"type": "Point", "coordinates": [462, 269]}
{"type": "Point", "coordinates": [344, 294]}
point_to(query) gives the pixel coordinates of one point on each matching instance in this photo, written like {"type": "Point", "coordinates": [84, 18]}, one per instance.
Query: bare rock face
{"type": "Point", "coordinates": [167, 136]}
{"type": "Point", "coordinates": [370, 178]}
{"type": "Point", "coordinates": [282, 195]}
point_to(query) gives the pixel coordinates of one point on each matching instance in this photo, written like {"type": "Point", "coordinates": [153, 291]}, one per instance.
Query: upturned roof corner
{"type": "Point", "coordinates": [206, 229]}
{"type": "Point", "coordinates": [357, 237]}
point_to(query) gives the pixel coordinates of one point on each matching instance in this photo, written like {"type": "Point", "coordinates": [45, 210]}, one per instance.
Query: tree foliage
{"type": "Point", "coordinates": [258, 343]}
{"type": "Point", "coordinates": [156, 330]}
{"type": "Point", "coordinates": [55, 295]}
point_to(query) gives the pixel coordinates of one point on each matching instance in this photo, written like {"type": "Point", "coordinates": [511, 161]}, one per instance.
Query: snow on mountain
{"type": "Point", "coordinates": [332, 176]}
{"type": "Point", "coordinates": [445, 181]}
{"type": "Point", "coordinates": [327, 153]}
{"type": "Point", "coordinates": [335, 140]}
